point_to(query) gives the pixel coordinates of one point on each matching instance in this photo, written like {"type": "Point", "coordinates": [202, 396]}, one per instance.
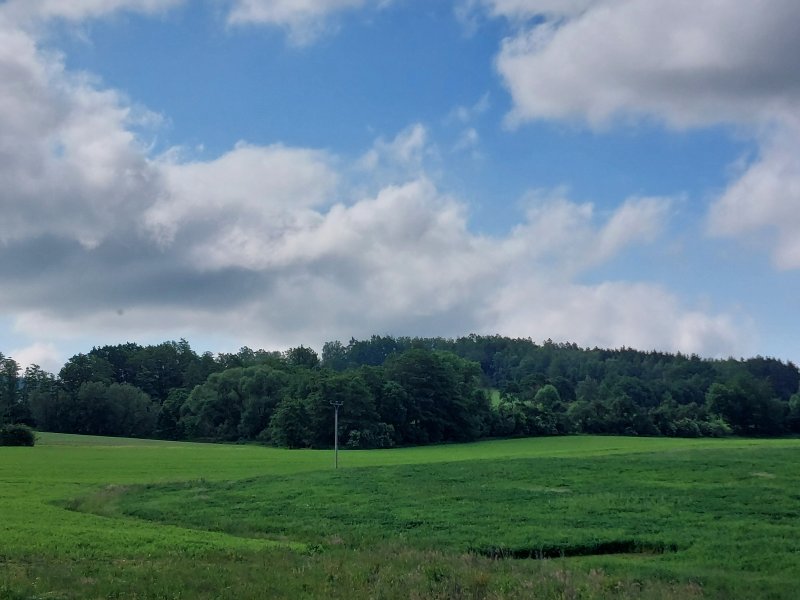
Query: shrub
{"type": "Point", "coordinates": [715, 428]}
{"type": "Point", "coordinates": [17, 435]}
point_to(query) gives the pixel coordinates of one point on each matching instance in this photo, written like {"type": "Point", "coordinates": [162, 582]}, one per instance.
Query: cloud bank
{"type": "Point", "coordinates": [274, 246]}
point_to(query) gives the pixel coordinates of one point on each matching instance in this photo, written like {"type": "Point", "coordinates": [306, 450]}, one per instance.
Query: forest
{"type": "Point", "coordinates": [400, 391]}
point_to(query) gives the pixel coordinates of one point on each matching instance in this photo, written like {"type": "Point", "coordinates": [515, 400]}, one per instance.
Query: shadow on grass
{"type": "Point", "coordinates": [570, 550]}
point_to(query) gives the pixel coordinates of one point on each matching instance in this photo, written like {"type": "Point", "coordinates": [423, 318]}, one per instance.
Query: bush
{"type": "Point", "coordinates": [715, 428]}
{"type": "Point", "coordinates": [17, 435]}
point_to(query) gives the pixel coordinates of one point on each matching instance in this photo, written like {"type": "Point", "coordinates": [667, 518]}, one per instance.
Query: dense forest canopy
{"type": "Point", "coordinates": [401, 391]}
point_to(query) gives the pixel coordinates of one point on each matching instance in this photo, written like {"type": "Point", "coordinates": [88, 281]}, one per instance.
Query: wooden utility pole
{"type": "Point", "coordinates": [336, 405]}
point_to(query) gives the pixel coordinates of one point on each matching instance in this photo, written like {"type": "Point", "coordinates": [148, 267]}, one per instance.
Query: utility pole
{"type": "Point", "coordinates": [336, 404]}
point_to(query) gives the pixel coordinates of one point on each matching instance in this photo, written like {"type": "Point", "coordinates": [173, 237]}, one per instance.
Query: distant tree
{"type": "Point", "coordinates": [85, 368]}
{"type": "Point", "coordinates": [100, 409]}
{"type": "Point", "coordinates": [161, 368]}
{"type": "Point", "coordinates": [402, 390]}
{"type": "Point", "coordinates": [334, 356]}
{"type": "Point", "coordinates": [119, 357]}
{"type": "Point", "coordinates": [197, 371]}
{"type": "Point", "coordinates": [262, 388]}
{"type": "Point", "coordinates": [213, 410]}
{"type": "Point", "coordinates": [302, 357]}
{"type": "Point", "coordinates": [358, 410]}
{"type": "Point", "coordinates": [133, 413]}
{"type": "Point", "coordinates": [548, 397]}
{"type": "Point", "coordinates": [793, 417]}
{"type": "Point", "coordinates": [510, 419]}
{"type": "Point", "coordinates": [169, 415]}
{"type": "Point", "coordinates": [9, 389]}
{"type": "Point", "coordinates": [587, 390]}
{"type": "Point", "coordinates": [444, 398]}
{"type": "Point", "coordinates": [51, 408]}
{"type": "Point", "coordinates": [747, 408]}
{"type": "Point", "coordinates": [588, 417]}
{"type": "Point", "coordinates": [288, 425]}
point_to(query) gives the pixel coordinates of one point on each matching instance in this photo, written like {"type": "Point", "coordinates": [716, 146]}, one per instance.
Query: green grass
{"type": "Point", "coordinates": [104, 517]}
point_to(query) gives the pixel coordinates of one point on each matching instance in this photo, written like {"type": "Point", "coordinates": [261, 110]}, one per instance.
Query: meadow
{"type": "Point", "coordinates": [613, 517]}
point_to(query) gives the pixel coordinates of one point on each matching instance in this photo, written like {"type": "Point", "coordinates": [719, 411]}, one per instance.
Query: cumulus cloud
{"type": "Point", "coordinates": [683, 63]}
{"type": "Point", "coordinates": [403, 156]}
{"type": "Point", "coordinates": [271, 246]}
{"type": "Point", "coordinates": [570, 233]}
{"type": "Point", "coordinates": [303, 19]}
{"type": "Point", "coordinates": [765, 198]}
{"type": "Point", "coordinates": [69, 164]}
{"type": "Point", "coordinates": [263, 184]}
{"type": "Point", "coordinates": [644, 316]}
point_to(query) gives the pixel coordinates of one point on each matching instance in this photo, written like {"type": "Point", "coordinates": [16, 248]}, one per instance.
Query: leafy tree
{"type": "Point", "coordinates": [119, 357]}
{"type": "Point", "coordinates": [84, 368]}
{"type": "Point", "coordinates": [511, 418]}
{"type": "Point", "coordinates": [548, 397]}
{"type": "Point", "coordinates": [357, 411]}
{"type": "Point", "coordinates": [302, 357]}
{"type": "Point", "coordinates": [793, 407]}
{"type": "Point", "coordinates": [288, 425]}
{"type": "Point", "coordinates": [159, 369]}
{"type": "Point", "coordinates": [262, 389]}
{"type": "Point", "coordinates": [213, 410]}
{"type": "Point", "coordinates": [9, 389]}
{"type": "Point", "coordinates": [169, 415]}
{"type": "Point", "coordinates": [747, 408]}
{"type": "Point", "coordinates": [400, 390]}
{"type": "Point", "coordinates": [133, 413]}
{"type": "Point", "coordinates": [587, 417]}
{"type": "Point", "coordinates": [51, 408]}
{"type": "Point", "coordinates": [334, 356]}
{"type": "Point", "coordinates": [444, 400]}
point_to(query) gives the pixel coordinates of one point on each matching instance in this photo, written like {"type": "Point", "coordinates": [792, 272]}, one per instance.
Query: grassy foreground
{"type": "Point", "coordinates": [85, 517]}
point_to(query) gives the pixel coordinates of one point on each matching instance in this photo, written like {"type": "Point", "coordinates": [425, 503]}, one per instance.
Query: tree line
{"type": "Point", "coordinates": [401, 391]}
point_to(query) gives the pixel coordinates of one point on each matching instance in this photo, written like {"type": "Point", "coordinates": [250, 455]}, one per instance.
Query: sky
{"type": "Point", "coordinates": [272, 173]}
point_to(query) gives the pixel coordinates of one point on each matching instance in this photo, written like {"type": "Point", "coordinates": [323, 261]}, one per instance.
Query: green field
{"type": "Point", "coordinates": [84, 517]}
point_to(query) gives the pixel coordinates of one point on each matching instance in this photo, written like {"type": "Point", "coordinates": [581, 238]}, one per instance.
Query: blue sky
{"type": "Point", "coordinates": [273, 173]}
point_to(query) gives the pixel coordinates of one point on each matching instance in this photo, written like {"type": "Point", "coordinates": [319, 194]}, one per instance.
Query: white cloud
{"type": "Point", "coordinates": [263, 184]}
{"type": "Point", "coordinates": [69, 164]}
{"type": "Point", "coordinates": [572, 238]}
{"type": "Point", "coordinates": [644, 316]}
{"type": "Point", "coordinates": [683, 63]}
{"type": "Point", "coordinates": [765, 198]}
{"type": "Point", "coordinates": [270, 245]}
{"type": "Point", "coordinates": [637, 220]}
{"type": "Point", "coordinates": [402, 157]}
{"type": "Point", "coordinates": [303, 19]}
{"type": "Point", "coordinates": [46, 355]}
{"type": "Point", "coordinates": [402, 261]}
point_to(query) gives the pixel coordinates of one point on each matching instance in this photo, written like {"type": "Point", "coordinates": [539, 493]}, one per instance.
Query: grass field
{"type": "Point", "coordinates": [84, 517]}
